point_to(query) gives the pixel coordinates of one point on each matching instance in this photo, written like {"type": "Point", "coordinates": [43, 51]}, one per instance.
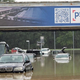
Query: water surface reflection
{"type": "Point", "coordinates": [46, 68]}
{"type": "Point", "coordinates": [49, 69]}
{"type": "Point", "coordinates": [16, 76]}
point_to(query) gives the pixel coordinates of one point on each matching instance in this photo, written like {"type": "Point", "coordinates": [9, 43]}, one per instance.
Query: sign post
{"type": "Point", "coordinates": [42, 40]}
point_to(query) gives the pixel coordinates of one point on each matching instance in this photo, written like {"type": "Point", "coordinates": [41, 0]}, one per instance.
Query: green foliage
{"type": "Point", "coordinates": [63, 38]}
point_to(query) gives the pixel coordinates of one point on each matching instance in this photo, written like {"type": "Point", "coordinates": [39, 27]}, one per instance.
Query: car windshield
{"type": "Point", "coordinates": [11, 59]}
{"type": "Point", "coordinates": [62, 56]}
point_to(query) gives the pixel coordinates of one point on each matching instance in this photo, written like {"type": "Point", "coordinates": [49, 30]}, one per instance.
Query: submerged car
{"type": "Point", "coordinates": [17, 50]}
{"type": "Point", "coordinates": [45, 51]}
{"type": "Point", "coordinates": [15, 63]}
{"type": "Point", "coordinates": [31, 57]}
{"type": "Point", "coordinates": [55, 52]}
{"type": "Point", "coordinates": [64, 56]}
{"type": "Point", "coordinates": [36, 52]}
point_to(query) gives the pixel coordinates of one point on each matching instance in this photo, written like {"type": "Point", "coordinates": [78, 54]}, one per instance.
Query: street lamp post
{"type": "Point", "coordinates": [28, 43]}
{"type": "Point", "coordinates": [42, 40]}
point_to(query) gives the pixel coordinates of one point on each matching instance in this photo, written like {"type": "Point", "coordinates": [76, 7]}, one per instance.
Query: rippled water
{"type": "Point", "coordinates": [46, 68]}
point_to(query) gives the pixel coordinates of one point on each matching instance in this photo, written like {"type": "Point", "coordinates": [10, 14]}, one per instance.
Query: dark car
{"type": "Point", "coordinates": [36, 52]}
{"type": "Point", "coordinates": [15, 63]}
{"type": "Point", "coordinates": [30, 51]}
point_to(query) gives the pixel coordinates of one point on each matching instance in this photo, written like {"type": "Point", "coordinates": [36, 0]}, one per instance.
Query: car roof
{"type": "Point", "coordinates": [15, 54]}
{"type": "Point", "coordinates": [3, 42]}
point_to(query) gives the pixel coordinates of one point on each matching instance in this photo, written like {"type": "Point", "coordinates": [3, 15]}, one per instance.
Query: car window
{"type": "Point", "coordinates": [11, 59]}
{"type": "Point", "coordinates": [26, 58]}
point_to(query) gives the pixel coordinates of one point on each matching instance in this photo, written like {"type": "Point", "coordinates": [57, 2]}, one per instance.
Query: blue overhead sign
{"type": "Point", "coordinates": [48, 16]}
{"type": "Point", "coordinates": [67, 16]}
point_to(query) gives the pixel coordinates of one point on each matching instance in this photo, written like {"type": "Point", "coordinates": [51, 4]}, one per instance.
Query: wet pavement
{"type": "Point", "coordinates": [46, 68]}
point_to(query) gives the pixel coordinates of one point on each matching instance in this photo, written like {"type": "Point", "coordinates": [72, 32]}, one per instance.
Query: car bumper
{"type": "Point", "coordinates": [10, 70]}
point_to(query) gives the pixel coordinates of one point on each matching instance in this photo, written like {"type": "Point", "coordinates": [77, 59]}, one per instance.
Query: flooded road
{"type": "Point", "coordinates": [46, 68]}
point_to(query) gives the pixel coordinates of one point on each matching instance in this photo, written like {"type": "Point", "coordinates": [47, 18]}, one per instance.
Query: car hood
{"type": "Point", "coordinates": [10, 64]}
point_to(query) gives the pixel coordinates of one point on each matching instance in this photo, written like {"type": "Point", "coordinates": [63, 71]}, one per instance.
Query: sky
{"type": "Point", "coordinates": [42, 0]}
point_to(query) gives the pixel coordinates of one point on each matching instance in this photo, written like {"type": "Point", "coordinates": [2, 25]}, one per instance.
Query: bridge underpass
{"type": "Point", "coordinates": [52, 69]}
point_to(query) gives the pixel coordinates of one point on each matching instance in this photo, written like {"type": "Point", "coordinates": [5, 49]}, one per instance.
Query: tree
{"type": "Point", "coordinates": [64, 38]}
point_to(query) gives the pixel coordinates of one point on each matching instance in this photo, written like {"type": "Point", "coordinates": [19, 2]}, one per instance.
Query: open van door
{"type": "Point", "coordinates": [4, 48]}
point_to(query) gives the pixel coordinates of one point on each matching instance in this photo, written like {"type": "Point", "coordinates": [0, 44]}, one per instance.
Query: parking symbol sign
{"type": "Point", "coordinates": [75, 15]}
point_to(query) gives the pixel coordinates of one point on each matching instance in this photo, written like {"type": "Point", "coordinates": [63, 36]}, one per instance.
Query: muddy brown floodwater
{"type": "Point", "coordinates": [46, 68]}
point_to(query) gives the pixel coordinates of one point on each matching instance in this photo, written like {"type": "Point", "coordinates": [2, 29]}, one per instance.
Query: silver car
{"type": "Point", "coordinates": [15, 63]}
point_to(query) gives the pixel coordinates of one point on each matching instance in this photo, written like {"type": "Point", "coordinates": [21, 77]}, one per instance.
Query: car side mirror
{"type": "Point", "coordinates": [27, 61]}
